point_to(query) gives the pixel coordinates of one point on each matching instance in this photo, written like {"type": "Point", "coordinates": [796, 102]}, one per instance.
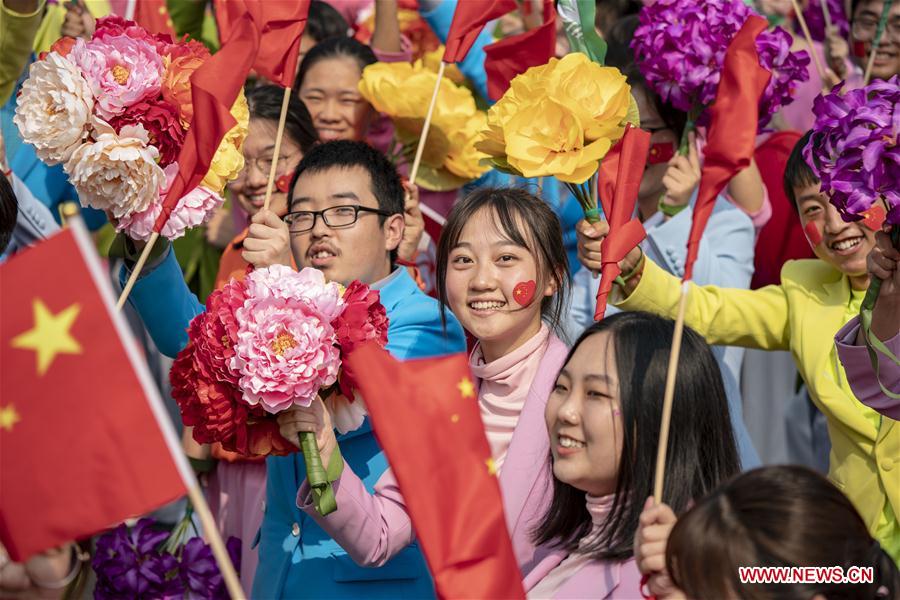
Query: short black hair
{"type": "Point", "coordinates": [336, 47]}
{"type": "Point", "coordinates": [702, 450]}
{"type": "Point", "coordinates": [346, 154]}
{"type": "Point", "coordinates": [9, 211]}
{"type": "Point", "coordinates": [324, 22]}
{"type": "Point", "coordinates": [265, 101]}
{"type": "Point", "coordinates": [797, 172]}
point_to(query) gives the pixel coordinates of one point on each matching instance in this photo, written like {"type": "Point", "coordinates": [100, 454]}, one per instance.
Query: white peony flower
{"type": "Point", "coordinates": [117, 172]}
{"type": "Point", "coordinates": [54, 109]}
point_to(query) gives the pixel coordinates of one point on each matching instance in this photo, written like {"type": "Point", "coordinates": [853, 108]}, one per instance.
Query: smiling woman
{"type": "Point", "coordinates": [603, 418]}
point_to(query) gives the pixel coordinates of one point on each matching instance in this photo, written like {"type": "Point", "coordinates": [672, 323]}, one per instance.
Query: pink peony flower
{"type": "Point", "coordinates": [285, 351]}
{"type": "Point", "coordinates": [309, 285]}
{"type": "Point", "coordinates": [160, 119]}
{"type": "Point", "coordinates": [121, 71]}
{"type": "Point", "coordinates": [114, 25]}
{"type": "Point", "coordinates": [192, 210]}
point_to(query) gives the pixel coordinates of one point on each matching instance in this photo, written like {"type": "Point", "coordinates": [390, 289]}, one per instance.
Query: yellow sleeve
{"type": "Point", "coordinates": [17, 31]}
{"type": "Point", "coordinates": [726, 316]}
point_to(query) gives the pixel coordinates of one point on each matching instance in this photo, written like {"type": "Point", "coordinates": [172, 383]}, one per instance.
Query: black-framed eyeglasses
{"type": "Point", "coordinates": [335, 217]}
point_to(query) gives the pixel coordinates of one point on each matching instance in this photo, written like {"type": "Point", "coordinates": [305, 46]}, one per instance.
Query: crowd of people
{"type": "Point", "coordinates": [784, 449]}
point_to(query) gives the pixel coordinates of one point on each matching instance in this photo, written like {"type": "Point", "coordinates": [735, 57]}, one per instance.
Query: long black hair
{"type": "Point", "coordinates": [702, 451]}
{"type": "Point", "coordinates": [265, 101]}
{"type": "Point", "coordinates": [336, 47]}
{"type": "Point", "coordinates": [542, 237]}
{"type": "Point", "coordinates": [9, 211]}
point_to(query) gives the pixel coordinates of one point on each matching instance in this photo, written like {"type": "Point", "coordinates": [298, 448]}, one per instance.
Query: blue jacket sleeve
{"type": "Point", "coordinates": [472, 66]}
{"type": "Point", "coordinates": [417, 332]}
{"type": "Point", "coordinates": [165, 304]}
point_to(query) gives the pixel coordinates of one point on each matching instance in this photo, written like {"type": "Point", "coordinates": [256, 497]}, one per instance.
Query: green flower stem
{"type": "Point", "coordinates": [315, 474]}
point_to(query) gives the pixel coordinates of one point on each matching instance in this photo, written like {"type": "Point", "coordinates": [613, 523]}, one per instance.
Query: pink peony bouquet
{"type": "Point", "coordinates": [114, 111]}
{"type": "Point", "coordinates": [270, 342]}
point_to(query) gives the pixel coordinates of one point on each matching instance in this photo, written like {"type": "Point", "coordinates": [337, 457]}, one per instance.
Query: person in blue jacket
{"type": "Point", "coordinates": [346, 219]}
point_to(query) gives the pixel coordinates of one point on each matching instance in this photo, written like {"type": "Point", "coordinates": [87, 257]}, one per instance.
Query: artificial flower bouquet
{"type": "Point", "coordinates": [270, 342]}
{"type": "Point", "coordinates": [560, 120]}
{"type": "Point", "coordinates": [854, 153]}
{"type": "Point", "coordinates": [114, 110]}
{"type": "Point", "coordinates": [403, 91]}
{"type": "Point", "coordinates": [147, 561]}
{"type": "Point", "coordinates": [680, 48]}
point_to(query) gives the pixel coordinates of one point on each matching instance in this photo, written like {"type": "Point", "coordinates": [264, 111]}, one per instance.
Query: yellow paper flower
{"type": "Point", "coordinates": [558, 119]}
{"type": "Point", "coordinates": [432, 62]}
{"type": "Point", "coordinates": [403, 92]}
{"type": "Point", "coordinates": [229, 158]}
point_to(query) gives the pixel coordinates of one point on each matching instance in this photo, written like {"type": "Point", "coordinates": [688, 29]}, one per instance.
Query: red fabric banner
{"type": "Point", "coordinates": [81, 445]}
{"type": "Point", "coordinates": [619, 182]}
{"type": "Point", "coordinates": [468, 21]}
{"type": "Point", "coordinates": [734, 116]}
{"type": "Point", "coordinates": [449, 484]}
{"type": "Point", "coordinates": [516, 54]}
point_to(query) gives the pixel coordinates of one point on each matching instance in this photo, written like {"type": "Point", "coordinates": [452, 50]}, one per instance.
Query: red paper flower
{"type": "Point", "coordinates": [114, 25]}
{"type": "Point", "coordinates": [161, 121]}
{"type": "Point", "coordinates": [364, 318]}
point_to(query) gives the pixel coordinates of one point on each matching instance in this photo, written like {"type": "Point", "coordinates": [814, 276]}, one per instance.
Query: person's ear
{"type": "Point", "coordinates": [393, 231]}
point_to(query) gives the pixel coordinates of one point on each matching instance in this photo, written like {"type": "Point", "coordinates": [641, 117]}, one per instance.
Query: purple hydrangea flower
{"type": "Point", "coordinates": [854, 151]}
{"type": "Point", "coordinates": [815, 19]}
{"type": "Point", "coordinates": [199, 572]}
{"type": "Point", "coordinates": [129, 564]}
{"type": "Point", "coordinates": [680, 47]}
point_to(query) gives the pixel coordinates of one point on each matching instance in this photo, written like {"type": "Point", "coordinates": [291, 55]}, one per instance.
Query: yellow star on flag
{"type": "Point", "coordinates": [9, 417]}
{"type": "Point", "coordinates": [491, 466]}
{"type": "Point", "coordinates": [466, 388]}
{"type": "Point", "coordinates": [50, 335]}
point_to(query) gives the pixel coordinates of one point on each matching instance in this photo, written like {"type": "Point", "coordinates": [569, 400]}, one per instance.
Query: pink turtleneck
{"type": "Point", "coordinates": [503, 388]}
{"type": "Point", "coordinates": [599, 507]}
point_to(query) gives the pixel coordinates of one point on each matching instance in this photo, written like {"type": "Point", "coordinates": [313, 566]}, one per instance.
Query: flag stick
{"type": "Point", "coordinates": [421, 148]}
{"type": "Point", "coordinates": [211, 532]}
{"type": "Point", "coordinates": [135, 273]}
{"type": "Point", "coordinates": [826, 13]}
{"type": "Point", "coordinates": [669, 397]}
{"type": "Point", "coordinates": [882, 23]}
{"type": "Point", "coordinates": [278, 135]}
{"type": "Point", "coordinates": [812, 50]}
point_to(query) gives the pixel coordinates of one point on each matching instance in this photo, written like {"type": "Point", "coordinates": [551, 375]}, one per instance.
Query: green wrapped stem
{"type": "Point", "coordinates": [323, 494]}
{"type": "Point", "coordinates": [865, 322]}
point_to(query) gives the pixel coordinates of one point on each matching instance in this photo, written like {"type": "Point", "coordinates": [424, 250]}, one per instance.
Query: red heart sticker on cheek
{"type": "Point", "coordinates": [523, 293]}
{"type": "Point", "coordinates": [874, 217]}
{"type": "Point", "coordinates": [283, 183]}
{"type": "Point", "coordinates": [813, 234]}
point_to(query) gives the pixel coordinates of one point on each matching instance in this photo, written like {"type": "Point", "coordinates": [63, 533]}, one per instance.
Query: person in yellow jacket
{"type": "Point", "coordinates": [816, 297]}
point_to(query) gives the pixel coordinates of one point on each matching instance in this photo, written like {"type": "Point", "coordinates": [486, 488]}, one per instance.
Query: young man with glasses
{"type": "Point", "coordinates": [347, 219]}
{"type": "Point", "coordinates": [863, 26]}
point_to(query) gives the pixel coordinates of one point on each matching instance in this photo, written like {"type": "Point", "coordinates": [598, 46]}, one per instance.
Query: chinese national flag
{"type": "Point", "coordinates": [449, 484]}
{"type": "Point", "coordinates": [516, 54]}
{"type": "Point", "coordinates": [280, 24]}
{"type": "Point", "coordinates": [81, 447]}
{"type": "Point", "coordinates": [469, 19]}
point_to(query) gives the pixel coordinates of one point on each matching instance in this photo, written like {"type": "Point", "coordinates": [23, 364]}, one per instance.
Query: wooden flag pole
{"type": "Point", "coordinates": [669, 397]}
{"type": "Point", "coordinates": [882, 23]}
{"type": "Point", "coordinates": [815, 55]}
{"type": "Point", "coordinates": [135, 273]}
{"type": "Point", "coordinates": [421, 148]}
{"type": "Point", "coordinates": [826, 13]}
{"type": "Point", "coordinates": [277, 152]}
{"type": "Point", "coordinates": [220, 552]}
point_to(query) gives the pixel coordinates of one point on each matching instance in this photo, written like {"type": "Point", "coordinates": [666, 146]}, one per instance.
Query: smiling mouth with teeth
{"type": "Point", "coordinates": [487, 305]}
{"type": "Point", "coordinates": [846, 244]}
{"type": "Point", "coordinates": [567, 442]}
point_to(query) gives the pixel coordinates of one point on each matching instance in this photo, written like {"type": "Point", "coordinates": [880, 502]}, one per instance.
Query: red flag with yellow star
{"type": "Point", "coordinates": [449, 484]}
{"type": "Point", "coordinates": [81, 444]}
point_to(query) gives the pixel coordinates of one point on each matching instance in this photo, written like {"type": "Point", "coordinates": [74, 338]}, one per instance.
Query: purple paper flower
{"type": "Point", "coordinates": [815, 19]}
{"type": "Point", "coordinates": [129, 564]}
{"type": "Point", "coordinates": [199, 572]}
{"type": "Point", "coordinates": [680, 47]}
{"type": "Point", "coordinates": [854, 151]}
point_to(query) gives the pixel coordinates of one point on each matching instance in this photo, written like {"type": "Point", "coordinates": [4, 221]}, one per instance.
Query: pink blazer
{"type": "Point", "coordinates": [602, 580]}
{"type": "Point", "coordinates": [372, 528]}
{"type": "Point", "coordinates": [860, 374]}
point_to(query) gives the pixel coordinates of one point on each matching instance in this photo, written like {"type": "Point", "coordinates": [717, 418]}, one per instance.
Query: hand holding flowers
{"type": "Point", "coordinates": [315, 418]}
